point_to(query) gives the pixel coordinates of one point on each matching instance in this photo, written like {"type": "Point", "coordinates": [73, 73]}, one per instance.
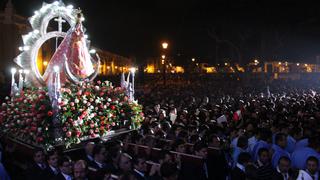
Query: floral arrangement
{"type": "Point", "coordinates": [90, 111]}
{"type": "Point", "coordinates": [87, 110]}
{"type": "Point", "coordinates": [28, 116]}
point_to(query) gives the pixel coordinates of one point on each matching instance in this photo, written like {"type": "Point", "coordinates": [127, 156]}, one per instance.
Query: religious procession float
{"type": "Point", "coordinates": [64, 106]}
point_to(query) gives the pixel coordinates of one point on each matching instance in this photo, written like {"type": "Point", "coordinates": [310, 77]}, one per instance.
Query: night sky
{"type": "Point", "coordinates": [283, 30]}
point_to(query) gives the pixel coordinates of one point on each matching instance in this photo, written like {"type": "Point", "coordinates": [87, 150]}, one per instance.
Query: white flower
{"type": "Point", "coordinates": [116, 102]}
{"type": "Point", "coordinates": [7, 98]}
{"type": "Point", "coordinates": [4, 104]}
{"type": "Point", "coordinates": [25, 101]}
{"type": "Point", "coordinates": [97, 88]}
{"type": "Point", "coordinates": [76, 101]}
{"type": "Point", "coordinates": [104, 106]}
{"type": "Point", "coordinates": [79, 121]}
{"type": "Point", "coordinates": [84, 101]}
{"type": "Point", "coordinates": [91, 107]}
{"type": "Point", "coordinates": [109, 100]}
{"type": "Point", "coordinates": [97, 101]}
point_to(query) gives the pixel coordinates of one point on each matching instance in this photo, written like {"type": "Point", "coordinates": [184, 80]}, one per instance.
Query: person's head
{"type": "Point", "coordinates": [89, 148]}
{"type": "Point", "coordinates": [39, 156]}
{"type": "Point", "coordinates": [52, 158]}
{"type": "Point", "coordinates": [99, 153]}
{"type": "Point", "coordinates": [265, 135]}
{"type": "Point", "coordinates": [284, 164]}
{"type": "Point", "coordinates": [179, 146]}
{"type": "Point", "coordinates": [281, 140]}
{"type": "Point", "coordinates": [165, 156]}
{"type": "Point", "coordinates": [242, 142]}
{"type": "Point", "coordinates": [201, 149]}
{"type": "Point", "coordinates": [139, 163]}
{"type": "Point", "coordinates": [264, 155]}
{"type": "Point", "coordinates": [80, 170]}
{"type": "Point", "coordinates": [65, 165]}
{"type": "Point", "coordinates": [244, 158]}
{"type": "Point", "coordinates": [124, 163]}
{"type": "Point", "coordinates": [312, 164]}
{"type": "Point", "coordinates": [169, 171]}
{"type": "Point", "coordinates": [250, 129]}
{"type": "Point", "coordinates": [214, 141]}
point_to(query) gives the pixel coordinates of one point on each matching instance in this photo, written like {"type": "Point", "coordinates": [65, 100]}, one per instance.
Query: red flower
{"type": "Point", "coordinates": [39, 139]}
{"type": "Point", "coordinates": [78, 133]}
{"type": "Point", "coordinates": [50, 113]}
{"type": "Point", "coordinates": [68, 134]}
{"type": "Point", "coordinates": [33, 128]}
{"type": "Point", "coordinates": [92, 125]}
{"type": "Point", "coordinates": [113, 107]}
{"type": "Point", "coordinates": [79, 93]}
{"type": "Point", "coordinates": [42, 107]}
{"type": "Point", "coordinates": [87, 93]}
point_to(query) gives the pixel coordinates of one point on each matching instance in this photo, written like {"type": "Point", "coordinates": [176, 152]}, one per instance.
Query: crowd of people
{"type": "Point", "coordinates": [224, 129]}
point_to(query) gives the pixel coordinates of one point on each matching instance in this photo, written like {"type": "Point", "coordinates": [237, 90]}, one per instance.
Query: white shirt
{"type": "Point", "coordinates": [67, 177]}
{"type": "Point", "coordinates": [284, 175]}
{"type": "Point", "coordinates": [99, 164]}
{"type": "Point", "coordinates": [241, 167]}
{"type": "Point", "coordinates": [55, 170]}
{"type": "Point", "coordinates": [140, 173]}
{"type": "Point", "coordinates": [90, 157]}
{"type": "Point", "coordinates": [303, 175]}
{"type": "Point", "coordinates": [42, 166]}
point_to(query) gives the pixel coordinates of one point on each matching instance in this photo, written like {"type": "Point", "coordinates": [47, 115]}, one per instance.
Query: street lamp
{"type": "Point", "coordinates": [164, 45]}
{"type": "Point", "coordinates": [193, 59]}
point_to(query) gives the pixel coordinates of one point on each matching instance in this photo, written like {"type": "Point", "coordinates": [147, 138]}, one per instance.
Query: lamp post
{"type": "Point", "coordinates": [163, 62]}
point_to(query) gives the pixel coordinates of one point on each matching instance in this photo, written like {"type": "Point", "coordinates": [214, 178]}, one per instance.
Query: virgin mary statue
{"type": "Point", "coordinates": [73, 48]}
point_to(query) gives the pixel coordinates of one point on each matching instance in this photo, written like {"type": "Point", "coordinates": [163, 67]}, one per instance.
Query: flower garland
{"type": "Point", "coordinates": [87, 110]}
{"type": "Point", "coordinates": [28, 117]}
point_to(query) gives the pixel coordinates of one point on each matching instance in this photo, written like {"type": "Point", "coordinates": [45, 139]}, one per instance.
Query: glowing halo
{"type": "Point", "coordinates": [33, 41]}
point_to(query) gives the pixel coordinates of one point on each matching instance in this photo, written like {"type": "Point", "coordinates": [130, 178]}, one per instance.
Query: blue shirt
{"type": "Point", "coordinates": [234, 142]}
{"type": "Point", "coordinates": [300, 156]}
{"type": "Point", "coordinates": [3, 173]}
{"type": "Point", "coordinates": [235, 153]}
{"type": "Point", "coordinates": [260, 144]}
{"type": "Point", "coordinates": [302, 143]}
{"type": "Point", "coordinates": [278, 152]}
{"type": "Point", "coordinates": [291, 143]}
{"type": "Point", "coordinates": [251, 143]}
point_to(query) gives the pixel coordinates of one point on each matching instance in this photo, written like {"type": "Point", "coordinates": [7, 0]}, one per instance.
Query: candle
{"type": "Point", "coordinates": [26, 72]}
{"type": "Point", "coordinates": [20, 80]}
{"type": "Point", "coordinates": [13, 72]}
{"type": "Point", "coordinates": [56, 82]}
{"type": "Point", "coordinates": [133, 70]}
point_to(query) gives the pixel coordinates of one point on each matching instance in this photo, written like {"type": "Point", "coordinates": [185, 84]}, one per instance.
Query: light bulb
{"type": "Point", "coordinates": [13, 70]}
{"type": "Point", "coordinates": [56, 68]}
